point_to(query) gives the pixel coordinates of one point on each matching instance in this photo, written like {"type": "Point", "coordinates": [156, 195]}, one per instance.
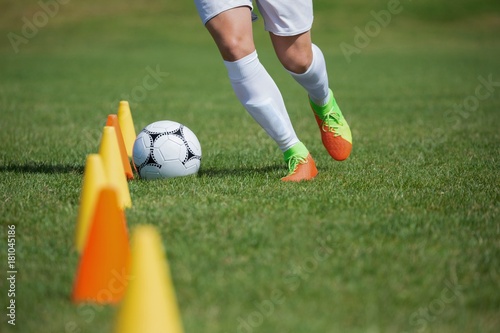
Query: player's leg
{"type": "Point", "coordinates": [305, 62]}
{"type": "Point", "coordinates": [291, 38]}
{"type": "Point", "coordinates": [232, 33]}
{"type": "Point", "coordinates": [254, 87]}
{"type": "Point", "coordinates": [256, 90]}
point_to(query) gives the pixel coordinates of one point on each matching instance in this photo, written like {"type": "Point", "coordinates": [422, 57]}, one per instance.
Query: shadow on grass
{"type": "Point", "coordinates": [214, 172]}
{"type": "Point", "coordinates": [41, 167]}
{"type": "Point", "coordinates": [244, 171]}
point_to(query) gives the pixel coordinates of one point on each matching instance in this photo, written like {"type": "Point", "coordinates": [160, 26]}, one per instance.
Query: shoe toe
{"type": "Point", "coordinates": [338, 148]}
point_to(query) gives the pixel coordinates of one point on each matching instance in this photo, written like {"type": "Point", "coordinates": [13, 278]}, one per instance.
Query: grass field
{"type": "Point", "coordinates": [402, 237]}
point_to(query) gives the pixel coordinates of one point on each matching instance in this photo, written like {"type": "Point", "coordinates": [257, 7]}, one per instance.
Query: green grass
{"type": "Point", "coordinates": [369, 246]}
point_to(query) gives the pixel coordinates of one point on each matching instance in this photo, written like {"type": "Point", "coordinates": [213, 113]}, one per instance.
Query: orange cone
{"type": "Point", "coordinates": [113, 121]}
{"type": "Point", "coordinates": [94, 178]}
{"type": "Point", "coordinates": [150, 304]}
{"type": "Point", "coordinates": [110, 153]}
{"type": "Point", "coordinates": [127, 126]}
{"type": "Point", "coordinates": [102, 275]}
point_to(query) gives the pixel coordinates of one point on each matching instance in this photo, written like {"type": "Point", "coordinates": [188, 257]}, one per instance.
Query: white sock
{"type": "Point", "coordinates": [315, 79]}
{"type": "Point", "coordinates": [260, 96]}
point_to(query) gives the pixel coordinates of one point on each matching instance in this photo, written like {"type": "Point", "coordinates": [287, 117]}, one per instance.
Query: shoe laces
{"type": "Point", "coordinates": [331, 123]}
{"type": "Point", "coordinates": [294, 162]}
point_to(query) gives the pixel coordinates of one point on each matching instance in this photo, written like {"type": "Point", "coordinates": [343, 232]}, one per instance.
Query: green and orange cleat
{"type": "Point", "coordinates": [301, 165]}
{"type": "Point", "coordinates": [335, 132]}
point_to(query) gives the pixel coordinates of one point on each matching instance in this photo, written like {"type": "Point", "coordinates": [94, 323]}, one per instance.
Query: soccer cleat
{"type": "Point", "coordinates": [301, 166]}
{"type": "Point", "coordinates": [335, 132]}
{"type": "Point", "coordinates": [301, 169]}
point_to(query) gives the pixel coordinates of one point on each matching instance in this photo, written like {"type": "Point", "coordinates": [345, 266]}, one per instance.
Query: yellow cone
{"type": "Point", "coordinates": [113, 167]}
{"type": "Point", "coordinates": [94, 178]}
{"type": "Point", "coordinates": [150, 304]}
{"type": "Point", "coordinates": [127, 126]}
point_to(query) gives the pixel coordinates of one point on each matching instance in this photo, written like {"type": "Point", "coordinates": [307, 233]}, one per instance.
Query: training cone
{"type": "Point", "coordinates": [127, 126]}
{"type": "Point", "coordinates": [112, 161]}
{"type": "Point", "coordinates": [94, 178]}
{"type": "Point", "coordinates": [149, 304]}
{"type": "Point", "coordinates": [113, 121]}
{"type": "Point", "coordinates": [102, 275]}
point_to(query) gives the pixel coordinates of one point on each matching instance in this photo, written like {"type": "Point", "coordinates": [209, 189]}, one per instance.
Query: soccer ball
{"type": "Point", "coordinates": [166, 149]}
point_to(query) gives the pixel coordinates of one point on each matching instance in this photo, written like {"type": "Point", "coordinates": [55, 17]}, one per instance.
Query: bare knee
{"type": "Point", "coordinates": [294, 52]}
{"type": "Point", "coordinates": [232, 32]}
{"type": "Point", "coordinates": [235, 47]}
{"type": "Point", "coordinates": [296, 62]}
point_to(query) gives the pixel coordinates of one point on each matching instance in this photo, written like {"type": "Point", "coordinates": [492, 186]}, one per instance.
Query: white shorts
{"type": "Point", "coordinates": [281, 17]}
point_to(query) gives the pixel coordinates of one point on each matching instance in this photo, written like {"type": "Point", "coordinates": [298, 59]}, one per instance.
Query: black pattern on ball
{"type": "Point", "coordinates": [154, 136]}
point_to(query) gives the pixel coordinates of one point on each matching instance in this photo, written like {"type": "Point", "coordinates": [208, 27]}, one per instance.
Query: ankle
{"type": "Point", "coordinates": [298, 150]}
{"type": "Point", "coordinates": [322, 108]}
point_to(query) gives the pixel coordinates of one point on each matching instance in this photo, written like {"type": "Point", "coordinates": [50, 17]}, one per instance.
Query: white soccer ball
{"type": "Point", "coordinates": [166, 149]}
